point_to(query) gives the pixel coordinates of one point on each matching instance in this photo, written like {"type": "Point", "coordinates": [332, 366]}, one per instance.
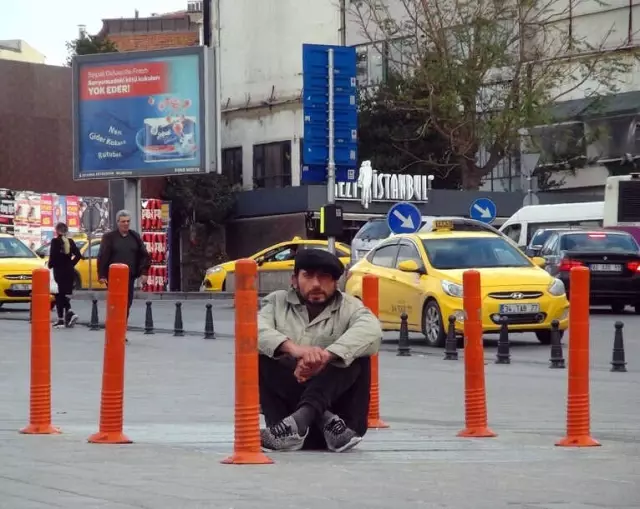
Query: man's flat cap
{"type": "Point", "coordinates": [318, 260]}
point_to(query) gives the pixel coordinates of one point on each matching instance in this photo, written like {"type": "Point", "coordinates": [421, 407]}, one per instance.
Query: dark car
{"type": "Point", "coordinates": [541, 236]}
{"type": "Point", "coordinates": [613, 257]}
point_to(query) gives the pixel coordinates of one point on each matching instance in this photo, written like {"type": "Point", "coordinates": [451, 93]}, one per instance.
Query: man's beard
{"type": "Point", "coordinates": [317, 305]}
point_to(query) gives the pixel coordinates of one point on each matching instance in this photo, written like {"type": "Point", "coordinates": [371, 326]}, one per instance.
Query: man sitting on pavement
{"type": "Point", "coordinates": [315, 344]}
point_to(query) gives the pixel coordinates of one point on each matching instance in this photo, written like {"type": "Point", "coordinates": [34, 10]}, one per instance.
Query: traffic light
{"type": "Point", "coordinates": [331, 222]}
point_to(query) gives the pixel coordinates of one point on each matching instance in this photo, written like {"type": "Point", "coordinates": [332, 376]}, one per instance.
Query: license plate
{"type": "Point", "coordinates": [21, 287]}
{"type": "Point", "coordinates": [514, 309]}
{"type": "Point", "coordinates": [606, 267]}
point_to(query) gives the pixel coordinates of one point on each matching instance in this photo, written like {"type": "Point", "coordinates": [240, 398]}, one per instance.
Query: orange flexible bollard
{"type": "Point", "coordinates": [578, 411]}
{"type": "Point", "coordinates": [40, 395]}
{"type": "Point", "coordinates": [112, 401]}
{"type": "Point", "coordinates": [475, 396]}
{"type": "Point", "coordinates": [246, 443]}
{"type": "Point", "coordinates": [371, 299]}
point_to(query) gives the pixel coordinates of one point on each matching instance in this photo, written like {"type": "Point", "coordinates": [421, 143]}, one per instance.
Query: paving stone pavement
{"type": "Point", "coordinates": [179, 412]}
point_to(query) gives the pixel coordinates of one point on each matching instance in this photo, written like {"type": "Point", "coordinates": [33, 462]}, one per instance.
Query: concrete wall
{"type": "Point", "coordinates": [271, 280]}
{"type": "Point", "coordinates": [247, 236]}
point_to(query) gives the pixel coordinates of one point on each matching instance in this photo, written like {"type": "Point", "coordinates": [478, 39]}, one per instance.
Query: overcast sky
{"type": "Point", "coordinates": [48, 24]}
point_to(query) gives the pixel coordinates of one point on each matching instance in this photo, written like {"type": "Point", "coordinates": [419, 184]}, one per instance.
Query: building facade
{"type": "Point", "coordinates": [261, 88]}
{"type": "Point", "coordinates": [20, 51]}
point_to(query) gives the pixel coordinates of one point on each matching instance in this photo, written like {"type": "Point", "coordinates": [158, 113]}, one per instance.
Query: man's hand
{"type": "Point", "coordinates": [102, 280]}
{"type": "Point", "coordinates": [143, 280]}
{"type": "Point", "coordinates": [311, 364]}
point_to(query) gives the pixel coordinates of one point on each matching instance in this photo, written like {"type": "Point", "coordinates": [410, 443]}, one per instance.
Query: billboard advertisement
{"type": "Point", "coordinates": [139, 114]}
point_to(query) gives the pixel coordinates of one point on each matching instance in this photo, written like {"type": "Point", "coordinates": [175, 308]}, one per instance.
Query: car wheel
{"type": "Point", "coordinates": [617, 308]}
{"type": "Point", "coordinates": [544, 336]}
{"type": "Point", "coordinates": [432, 326]}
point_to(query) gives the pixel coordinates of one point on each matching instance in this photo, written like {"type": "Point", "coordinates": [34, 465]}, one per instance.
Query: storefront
{"type": "Point", "coordinates": [263, 217]}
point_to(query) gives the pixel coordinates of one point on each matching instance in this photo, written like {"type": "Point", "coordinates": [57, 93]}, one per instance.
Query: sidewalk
{"type": "Point", "coordinates": [193, 315]}
{"type": "Point", "coordinates": [179, 412]}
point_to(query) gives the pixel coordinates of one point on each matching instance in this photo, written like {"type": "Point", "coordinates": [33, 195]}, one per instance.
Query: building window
{"type": "Point", "coordinates": [232, 165]}
{"type": "Point", "coordinates": [272, 164]}
{"type": "Point", "coordinates": [376, 60]}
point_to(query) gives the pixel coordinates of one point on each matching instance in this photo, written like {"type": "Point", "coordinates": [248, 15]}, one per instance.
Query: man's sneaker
{"type": "Point", "coordinates": [283, 436]}
{"type": "Point", "coordinates": [59, 324]}
{"type": "Point", "coordinates": [72, 318]}
{"type": "Point", "coordinates": [339, 438]}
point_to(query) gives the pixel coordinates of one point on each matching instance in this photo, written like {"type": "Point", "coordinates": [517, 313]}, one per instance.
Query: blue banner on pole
{"type": "Point", "coordinates": [315, 78]}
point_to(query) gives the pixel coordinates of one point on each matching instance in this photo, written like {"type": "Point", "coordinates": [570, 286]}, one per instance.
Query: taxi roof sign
{"type": "Point", "coordinates": [443, 224]}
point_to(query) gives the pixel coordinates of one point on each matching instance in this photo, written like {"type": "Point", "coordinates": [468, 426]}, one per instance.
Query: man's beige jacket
{"type": "Point", "coordinates": [345, 327]}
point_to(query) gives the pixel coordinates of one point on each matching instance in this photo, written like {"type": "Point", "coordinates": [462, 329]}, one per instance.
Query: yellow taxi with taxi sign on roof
{"type": "Point", "coordinates": [420, 274]}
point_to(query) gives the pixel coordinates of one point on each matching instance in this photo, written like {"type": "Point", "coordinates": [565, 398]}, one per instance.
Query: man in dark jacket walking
{"type": "Point", "coordinates": [124, 245]}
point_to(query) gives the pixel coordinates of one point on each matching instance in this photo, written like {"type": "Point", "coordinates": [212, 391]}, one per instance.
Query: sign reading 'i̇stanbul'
{"type": "Point", "coordinates": [373, 186]}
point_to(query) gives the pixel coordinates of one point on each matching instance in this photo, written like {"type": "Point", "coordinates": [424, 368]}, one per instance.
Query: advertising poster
{"type": "Point", "coordinates": [139, 114]}
{"type": "Point", "coordinates": [33, 216]}
{"type": "Point", "coordinates": [7, 211]}
{"type": "Point", "coordinates": [22, 209]}
{"type": "Point", "coordinates": [101, 206]}
{"type": "Point", "coordinates": [59, 209]}
{"type": "Point", "coordinates": [73, 213]}
{"type": "Point", "coordinates": [46, 212]}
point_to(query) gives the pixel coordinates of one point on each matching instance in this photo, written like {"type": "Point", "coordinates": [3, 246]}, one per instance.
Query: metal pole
{"type": "Point", "coordinates": [343, 23]}
{"type": "Point", "coordinates": [218, 85]}
{"type": "Point", "coordinates": [331, 170]}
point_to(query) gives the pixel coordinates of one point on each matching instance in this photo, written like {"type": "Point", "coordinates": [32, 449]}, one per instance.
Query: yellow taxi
{"type": "Point", "coordinates": [420, 274]}
{"type": "Point", "coordinates": [87, 267]}
{"type": "Point", "coordinates": [17, 262]}
{"type": "Point", "coordinates": [277, 257]}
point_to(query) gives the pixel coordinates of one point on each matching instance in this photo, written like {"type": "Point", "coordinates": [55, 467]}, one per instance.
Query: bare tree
{"type": "Point", "coordinates": [480, 71]}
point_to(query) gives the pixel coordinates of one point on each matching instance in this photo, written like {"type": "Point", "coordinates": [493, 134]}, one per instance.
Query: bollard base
{"type": "Point", "coordinates": [403, 353]}
{"type": "Point", "coordinates": [556, 364]}
{"type": "Point", "coordinates": [247, 458]}
{"type": "Point", "coordinates": [476, 433]}
{"type": "Point", "coordinates": [618, 368]}
{"type": "Point", "coordinates": [377, 424]}
{"type": "Point", "coordinates": [40, 429]}
{"type": "Point", "coordinates": [147, 332]}
{"type": "Point", "coordinates": [578, 441]}
{"type": "Point", "coordinates": [503, 360]}
{"type": "Point", "coordinates": [116, 437]}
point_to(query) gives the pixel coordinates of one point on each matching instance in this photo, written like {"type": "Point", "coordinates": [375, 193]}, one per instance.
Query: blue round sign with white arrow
{"type": "Point", "coordinates": [483, 209]}
{"type": "Point", "coordinates": [404, 217]}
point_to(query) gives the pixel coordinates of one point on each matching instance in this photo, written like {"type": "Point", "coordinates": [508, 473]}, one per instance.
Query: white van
{"type": "Point", "coordinates": [523, 224]}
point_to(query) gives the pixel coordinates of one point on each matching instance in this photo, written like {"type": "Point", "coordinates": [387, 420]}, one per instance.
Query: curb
{"type": "Point", "coordinates": [139, 295]}
{"type": "Point", "coordinates": [131, 328]}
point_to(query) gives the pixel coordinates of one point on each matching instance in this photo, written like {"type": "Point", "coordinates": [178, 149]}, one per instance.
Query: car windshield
{"type": "Point", "coordinates": [373, 230]}
{"type": "Point", "coordinates": [44, 249]}
{"type": "Point", "coordinates": [473, 253]}
{"type": "Point", "coordinates": [10, 247]}
{"type": "Point", "coordinates": [540, 237]}
{"type": "Point", "coordinates": [600, 241]}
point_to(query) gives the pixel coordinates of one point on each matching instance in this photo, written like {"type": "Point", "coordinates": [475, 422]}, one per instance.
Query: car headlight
{"type": "Point", "coordinates": [452, 289]}
{"type": "Point", "coordinates": [213, 270]}
{"type": "Point", "coordinates": [556, 288]}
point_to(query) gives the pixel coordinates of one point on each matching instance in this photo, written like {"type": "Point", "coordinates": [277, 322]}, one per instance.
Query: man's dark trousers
{"type": "Point", "coordinates": [130, 295]}
{"type": "Point", "coordinates": [342, 391]}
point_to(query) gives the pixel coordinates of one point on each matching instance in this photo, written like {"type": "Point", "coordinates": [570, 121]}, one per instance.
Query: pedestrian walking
{"type": "Point", "coordinates": [124, 245]}
{"type": "Point", "coordinates": [63, 257]}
